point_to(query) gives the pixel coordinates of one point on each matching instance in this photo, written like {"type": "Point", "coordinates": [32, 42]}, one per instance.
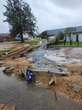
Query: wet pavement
{"type": "Point", "coordinates": [28, 97]}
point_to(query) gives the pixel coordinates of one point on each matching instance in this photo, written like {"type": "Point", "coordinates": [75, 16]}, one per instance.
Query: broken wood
{"type": "Point", "coordinates": [5, 107]}
{"type": "Point", "coordinates": [52, 81]}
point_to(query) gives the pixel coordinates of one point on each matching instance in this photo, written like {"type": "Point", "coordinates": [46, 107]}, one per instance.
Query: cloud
{"type": "Point", "coordinates": [52, 14]}
{"type": "Point", "coordinates": [3, 26]}
{"type": "Point", "coordinates": [70, 4]}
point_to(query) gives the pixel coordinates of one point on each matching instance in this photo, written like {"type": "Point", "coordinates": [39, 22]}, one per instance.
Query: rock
{"type": "Point", "coordinates": [76, 87]}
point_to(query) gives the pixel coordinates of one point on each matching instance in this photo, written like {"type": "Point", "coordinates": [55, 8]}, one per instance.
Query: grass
{"type": "Point", "coordinates": [73, 44]}
{"type": "Point", "coordinates": [31, 42]}
{"type": "Point", "coordinates": [67, 44]}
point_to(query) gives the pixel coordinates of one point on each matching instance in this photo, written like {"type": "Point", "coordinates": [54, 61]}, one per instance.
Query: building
{"type": "Point", "coordinates": [5, 37]}
{"type": "Point", "coordinates": [72, 30]}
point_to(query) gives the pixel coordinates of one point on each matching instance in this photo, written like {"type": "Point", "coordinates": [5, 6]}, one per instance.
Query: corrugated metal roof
{"type": "Point", "coordinates": [71, 29]}
{"type": "Point", "coordinates": [79, 29]}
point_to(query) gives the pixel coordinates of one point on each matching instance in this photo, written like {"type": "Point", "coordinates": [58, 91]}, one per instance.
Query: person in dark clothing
{"type": "Point", "coordinates": [71, 40]}
{"type": "Point", "coordinates": [65, 40]}
{"type": "Point", "coordinates": [77, 39]}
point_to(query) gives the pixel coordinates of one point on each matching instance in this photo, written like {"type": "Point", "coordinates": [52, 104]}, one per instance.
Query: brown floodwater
{"type": "Point", "coordinates": [28, 97]}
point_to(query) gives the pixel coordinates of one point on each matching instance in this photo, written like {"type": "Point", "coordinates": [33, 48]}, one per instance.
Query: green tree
{"type": "Point", "coordinates": [20, 18]}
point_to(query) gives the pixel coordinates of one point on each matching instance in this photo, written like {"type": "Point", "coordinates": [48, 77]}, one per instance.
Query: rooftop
{"type": "Point", "coordinates": [77, 29]}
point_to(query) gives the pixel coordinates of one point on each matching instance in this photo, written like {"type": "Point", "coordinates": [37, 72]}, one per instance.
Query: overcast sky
{"type": "Point", "coordinates": [50, 14]}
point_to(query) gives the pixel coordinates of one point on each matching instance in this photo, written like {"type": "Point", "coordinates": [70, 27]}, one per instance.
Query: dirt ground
{"type": "Point", "coordinates": [64, 84]}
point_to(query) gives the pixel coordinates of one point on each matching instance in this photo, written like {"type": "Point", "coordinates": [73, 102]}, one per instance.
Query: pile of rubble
{"type": "Point", "coordinates": [5, 107]}
{"type": "Point", "coordinates": [16, 66]}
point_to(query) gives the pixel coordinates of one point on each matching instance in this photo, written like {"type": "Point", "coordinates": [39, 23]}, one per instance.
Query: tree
{"type": "Point", "coordinates": [20, 18]}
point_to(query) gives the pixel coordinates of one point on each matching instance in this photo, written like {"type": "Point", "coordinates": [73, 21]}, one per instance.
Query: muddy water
{"type": "Point", "coordinates": [28, 97]}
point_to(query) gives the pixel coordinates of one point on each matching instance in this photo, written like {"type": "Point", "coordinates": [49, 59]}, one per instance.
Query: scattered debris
{"type": "Point", "coordinates": [17, 66]}
{"type": "Point", "coordinates": [1, 63]}
{"type": "Point", "coordinates": [52, 81]}
{"type": "Point", "coordinates": [5, 107]}
{"type": "Point", "coordinates": [70, 84]}
{"type": "Point", "coordinates": [38, 83]}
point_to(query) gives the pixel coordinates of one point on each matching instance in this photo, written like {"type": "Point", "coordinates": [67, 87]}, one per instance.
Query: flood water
{"type": "Point", "coordinates": [50, 60]}
{"type": "Point", "coordinates": [39, 60]}
{"type": "Point", "coordinates": [28, 97]}
{"type": "Point", "coordinates": [25, 97]}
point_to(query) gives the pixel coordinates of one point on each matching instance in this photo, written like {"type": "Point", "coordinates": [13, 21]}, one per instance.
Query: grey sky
{"type": "Point", "coordinates": [51, 14]}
